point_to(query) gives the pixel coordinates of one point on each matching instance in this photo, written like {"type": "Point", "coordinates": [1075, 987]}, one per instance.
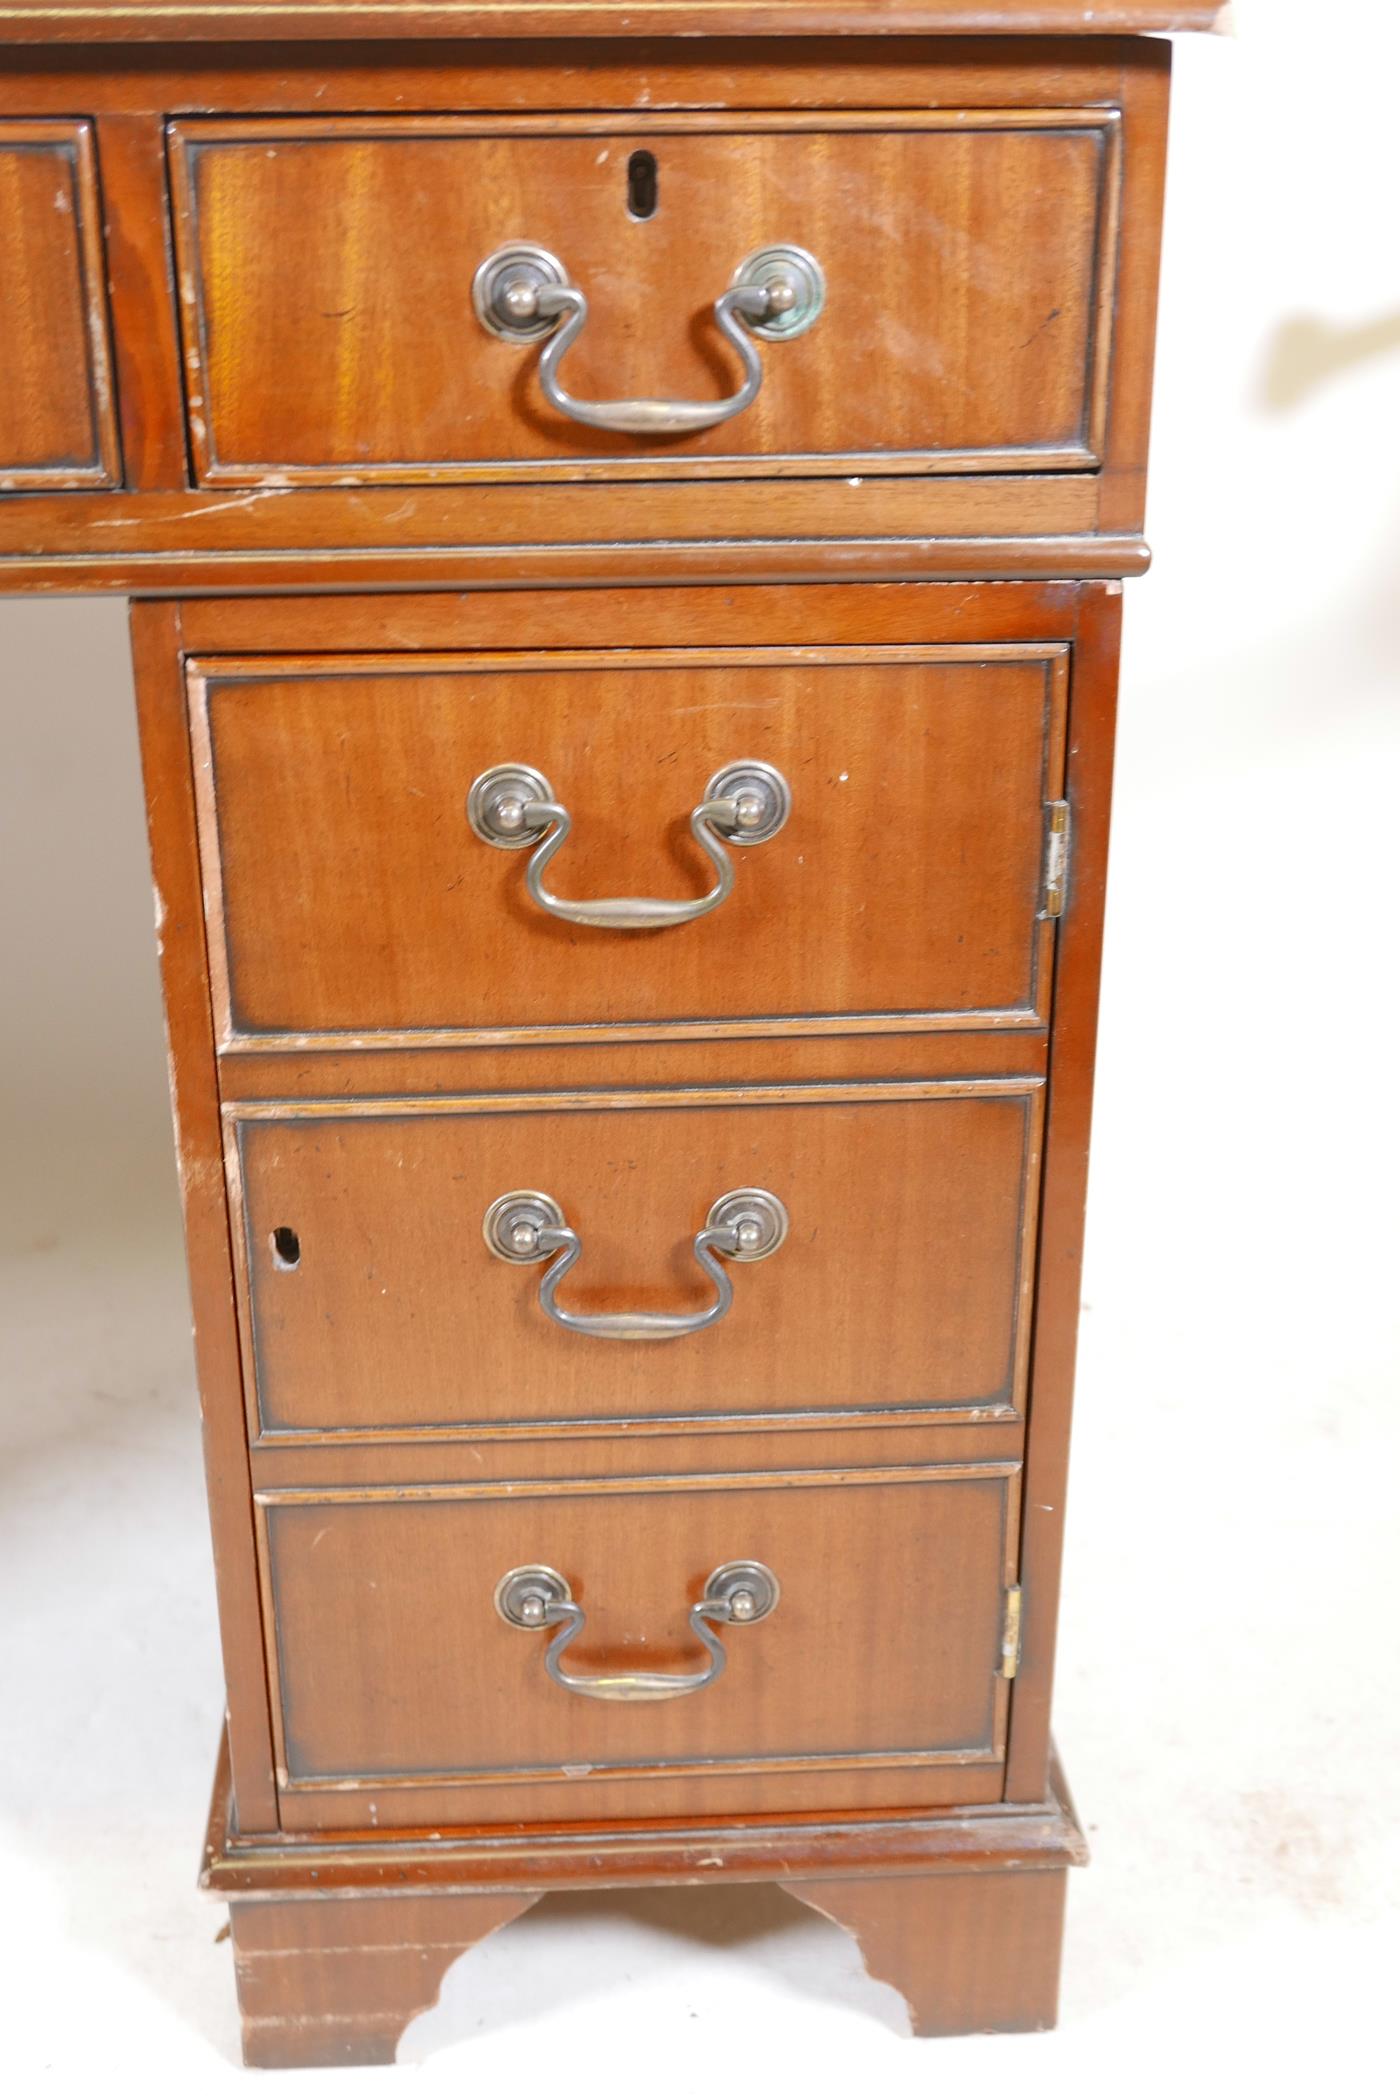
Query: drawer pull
{"type": "Point", "coordinates": [739, 1594]}
{"type": "Point", "coordinates": [522, 292]}
{"type": "Point", "coordinates": [525, 1226]}
{"type": "Point", "coordinates": [744, 804]}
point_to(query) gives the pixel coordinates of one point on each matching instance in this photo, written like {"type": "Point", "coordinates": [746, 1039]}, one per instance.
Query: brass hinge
{"type": "Point", "coordinates": [1056, 857]}
{"type": "Point", "coordinates": [1011, 1633]}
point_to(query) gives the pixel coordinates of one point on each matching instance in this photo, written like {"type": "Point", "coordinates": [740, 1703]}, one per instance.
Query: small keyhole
{"type": "Point", "coordinates": [286, 1247]}
{"type": "Point", "coordinates": [641, 185]}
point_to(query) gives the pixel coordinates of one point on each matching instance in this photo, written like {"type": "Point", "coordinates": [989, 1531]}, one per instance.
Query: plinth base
{"type": "Point", "coordinates": [340, 1943]}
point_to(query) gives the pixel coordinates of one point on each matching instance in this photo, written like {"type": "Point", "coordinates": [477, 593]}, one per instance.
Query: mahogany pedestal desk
{"type": "Point", "coordinates": [625, 509]}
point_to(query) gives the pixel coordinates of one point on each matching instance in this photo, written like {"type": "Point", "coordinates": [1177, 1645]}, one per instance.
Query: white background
{"type": "Point", "coordinates": [1226, 1704]}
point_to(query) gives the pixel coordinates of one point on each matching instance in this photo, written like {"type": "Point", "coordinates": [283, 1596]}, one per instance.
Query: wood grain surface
{"type": "Point", "coordinates": [902, 1283]}
{"type": "Point", "coordinates": [968, 1953]}
{"type": "Point", "coordinates": [395, 1672]}
{"type": "Point", "coordinates": [57, 415]}
{"type": "Point", "coordinates": [328, 264]}
{"type": "Point", "coordinates": [654, 1253]}
{"type": "Point", "coordinates": [327, 1984]}
{"type": "Point", "coordinates": [987, 1838]}
{"type": "Point", "coordinates": [1032, 377]}
{"type": "Point", "coordinates": [351, 899]}
{"type": "Point", "coordinates": [340, 1940]}
{"type": "Point", "coordinates": [194, 1099]}
{"type": "Point", "coordinates": [67, 20]}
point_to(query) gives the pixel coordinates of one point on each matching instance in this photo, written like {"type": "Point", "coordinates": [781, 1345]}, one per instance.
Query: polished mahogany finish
{"type": "Point", "coordinates": [307, 396]}
{"type": "Point", "coordinates": [960, 1910]}
{"type": "Point", "coordinates": [403, 1699]}
{"type": "Point", "coordinates": [58, 427]}
{"type": "Point", "coordinates": [416, 1426]}
{"type": "Point", "coordinates": [1001, 291]}
{"type": "Point", "coordinates": [913, 1195]}
{"type": "Point", "coordinates": [630, 903]}
{"type": "Point", "coordinates": [355, 903]}
{"type": "Point", "coordinates": [224, 20]}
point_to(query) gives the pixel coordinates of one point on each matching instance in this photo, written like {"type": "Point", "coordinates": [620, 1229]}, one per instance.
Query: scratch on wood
{"type": "Point", "coordinates": [123, 523]}
{"type": "Point", "coordinates": [1053, 315]}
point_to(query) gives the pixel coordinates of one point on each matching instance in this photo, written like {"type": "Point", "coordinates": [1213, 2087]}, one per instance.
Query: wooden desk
{"type": "Point", "coordinates": [626, 541]}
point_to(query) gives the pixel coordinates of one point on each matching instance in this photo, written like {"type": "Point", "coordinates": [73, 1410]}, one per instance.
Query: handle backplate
{"type": "Point", "coordinates": [738, 1593]}
{"type": "Point", "coordinates": [510, 291]}
{"type": "Point", "coordinates": [523, 294]}
{"type": "Point", "coordinates": [745, 803]}
{"type": "Point", "coordinates": [526, 1226]}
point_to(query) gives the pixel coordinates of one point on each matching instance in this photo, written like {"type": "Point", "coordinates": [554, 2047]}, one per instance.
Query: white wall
{"type": "Point", "coordinates": [1250, 992]}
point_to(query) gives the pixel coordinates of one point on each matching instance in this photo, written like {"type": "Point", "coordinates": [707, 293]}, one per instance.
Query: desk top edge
{"type": "Point", "coordinates": [262, 21]}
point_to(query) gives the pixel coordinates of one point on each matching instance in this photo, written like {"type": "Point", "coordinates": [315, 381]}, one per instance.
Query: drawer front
{"type": "Point", "coordinates": [57, 419]}
{"type": "Point", "coordinates": [328, 267]}
{"type": "Point", "coordinates": [375, 1304]}
{"type": "Point", "coordinates": [401, 1693]}
{"type": "Point", "coordinates": [352, 899]}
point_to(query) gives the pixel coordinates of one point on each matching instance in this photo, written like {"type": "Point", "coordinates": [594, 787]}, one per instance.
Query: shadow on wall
{"type": "Point", "coordinates": [1307, 352]}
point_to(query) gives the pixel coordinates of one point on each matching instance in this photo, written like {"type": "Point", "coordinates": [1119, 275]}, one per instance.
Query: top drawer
{"type": "Point", "coordinates": [327, 267]}
{"type": "Point", "coordinates": [57, 419]}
